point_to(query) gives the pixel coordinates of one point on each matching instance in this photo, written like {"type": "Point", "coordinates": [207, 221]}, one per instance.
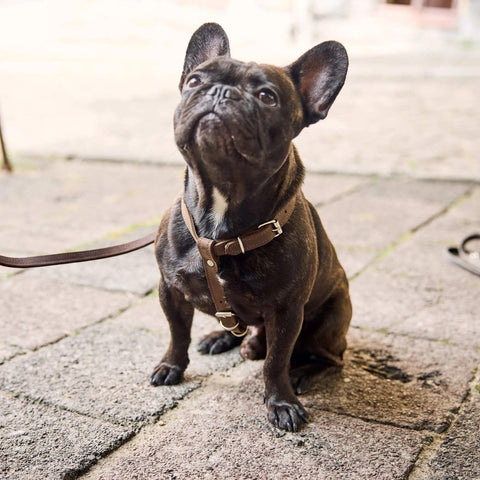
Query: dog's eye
{"type": "Point", "coordinates": [267, 97]}
{"type": "Point", "coordinates": [194, 81]}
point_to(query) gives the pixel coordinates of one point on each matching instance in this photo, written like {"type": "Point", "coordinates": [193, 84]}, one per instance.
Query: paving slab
{"type": "Point", "coordinates": [433, 298]}
{"type": "Point", "coordinates": [35, 313]}
{"type": "Point", "coordinates": [38, 441]}
{"type": "Point", "coordinates": [367, 222]}
{"type": "Point", "coordinates": [57, 205]}
{"type": "Point", "coordinates": [222, 432]}
{"type": "Point", "coordinates": [104, 370]}
{"type": "Point", "coordinates": [396, 380]}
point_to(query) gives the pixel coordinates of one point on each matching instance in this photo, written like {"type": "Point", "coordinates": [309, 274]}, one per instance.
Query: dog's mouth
{"type": "Point", "coordinates": [211, 135]}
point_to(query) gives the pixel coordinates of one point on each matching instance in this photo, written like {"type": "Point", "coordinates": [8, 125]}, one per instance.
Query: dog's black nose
{"type": "Point", "coordinates": [224, 92]}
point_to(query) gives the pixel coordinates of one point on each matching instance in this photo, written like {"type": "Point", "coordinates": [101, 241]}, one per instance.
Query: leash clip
{"type": "Point", "coordinates": [277, 228]}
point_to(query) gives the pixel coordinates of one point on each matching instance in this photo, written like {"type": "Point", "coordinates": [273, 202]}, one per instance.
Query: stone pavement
{"type": "Point", "coordinates": [395, 175]}
{"type": "Point", "coordinates": [78, 342]}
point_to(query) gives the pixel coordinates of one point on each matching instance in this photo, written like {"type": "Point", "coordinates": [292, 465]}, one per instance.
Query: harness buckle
{"type": "Point", "coordinates": [277, 228]}
{"type": "Point", "coordinates": [222, 315]}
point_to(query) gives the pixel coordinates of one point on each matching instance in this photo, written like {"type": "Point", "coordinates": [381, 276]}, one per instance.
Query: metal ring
{"type": "Point", "coordinates": [241, 334]}
{"type": "Point", "coordinates": [228, 329]}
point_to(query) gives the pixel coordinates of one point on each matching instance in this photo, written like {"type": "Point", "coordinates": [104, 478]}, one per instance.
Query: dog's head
{"type": "Point", "coordinates": [237, 116]}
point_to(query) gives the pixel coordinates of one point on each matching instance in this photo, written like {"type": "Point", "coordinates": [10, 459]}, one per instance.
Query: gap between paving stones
{"type": "Point", "coordinates": [78, 330]}
{"type": "Point", "coordinates": [121, 345]}
{"type": "Point", "coordinates": [340, 196]}
{"type": "Point", "coordinates": [407, 235]}
{"type": "Point", "coordinates": [421, 468]}
{"type": "Point", "coordinates": [310, 170]}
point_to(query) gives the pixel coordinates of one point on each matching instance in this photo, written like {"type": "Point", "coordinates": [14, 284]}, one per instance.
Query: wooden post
{"type": "Point", "coordinates": [6, 165]}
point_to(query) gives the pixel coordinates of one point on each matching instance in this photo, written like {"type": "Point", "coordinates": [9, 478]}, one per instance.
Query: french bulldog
{"type": "Point", "coordinates": [234, 127]}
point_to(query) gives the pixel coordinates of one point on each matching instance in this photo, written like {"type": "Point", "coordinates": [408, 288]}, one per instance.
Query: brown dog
{"type": "Point", "coordinates": [234, 126]}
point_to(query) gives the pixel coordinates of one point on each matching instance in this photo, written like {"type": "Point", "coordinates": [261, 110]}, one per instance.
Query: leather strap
{"type": "Point", "coordinates": [210, 251]}
{"type": "Point", "coordinates": [75, 257]}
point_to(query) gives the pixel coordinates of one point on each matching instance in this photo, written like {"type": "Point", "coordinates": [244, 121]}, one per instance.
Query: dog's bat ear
{"type": "Point", "coordinates": [209, 41]}
{"type": "Point", "coordinates": [319, 75]}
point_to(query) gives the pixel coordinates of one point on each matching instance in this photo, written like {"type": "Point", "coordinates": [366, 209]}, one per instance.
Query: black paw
{"type": "Point", "coordinates": [165, 374]}
{"type": "Point", "coordinates": [217, 342]}
{"type": "Point", "coordinates": [287, 416]}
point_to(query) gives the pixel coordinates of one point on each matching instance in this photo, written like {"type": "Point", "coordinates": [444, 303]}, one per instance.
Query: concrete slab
{"type": "Point", "coordinates": [40, 441]}
{"type": "Point", "coordinates": [366, 223]}
{"type": "Point", "coordinates": [104, 371]}
{"type": "Point", "coordinates": [222, 432]}
{"type": "Point", "coordinates": [34, 313]}
{"type": "Point", "coordinates": [433, 298]}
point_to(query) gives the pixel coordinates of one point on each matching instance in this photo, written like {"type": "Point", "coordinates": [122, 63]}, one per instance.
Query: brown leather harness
{"type": "Point", "coordinates": [210, 251]}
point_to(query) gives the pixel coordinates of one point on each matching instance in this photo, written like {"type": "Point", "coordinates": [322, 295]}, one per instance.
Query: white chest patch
{"type": "Point", "coordinates": [219, 206]}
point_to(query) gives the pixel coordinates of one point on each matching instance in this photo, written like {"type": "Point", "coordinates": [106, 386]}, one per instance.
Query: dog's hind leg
{"type": "Point", "coordinates": [322, 342]}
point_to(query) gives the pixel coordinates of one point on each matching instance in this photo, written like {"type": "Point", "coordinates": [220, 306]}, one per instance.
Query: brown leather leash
{"type": "Point", "coordinates": [75, 257]}
{"type": "Point", "coordinates": [210, 251]}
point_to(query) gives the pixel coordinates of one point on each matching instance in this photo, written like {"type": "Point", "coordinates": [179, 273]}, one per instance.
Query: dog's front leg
{"type": "Point", "coordinates": [179, 314]}
{"type": "Point", "coordinates": [284, 409]}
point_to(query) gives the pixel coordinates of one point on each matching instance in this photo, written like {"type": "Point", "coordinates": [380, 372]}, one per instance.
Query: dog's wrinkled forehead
{"type": "Point", "coordinates": [247, 75]}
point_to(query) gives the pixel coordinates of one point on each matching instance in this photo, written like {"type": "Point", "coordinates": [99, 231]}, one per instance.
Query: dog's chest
{"type": "Point", "coordinates": [190, 279]}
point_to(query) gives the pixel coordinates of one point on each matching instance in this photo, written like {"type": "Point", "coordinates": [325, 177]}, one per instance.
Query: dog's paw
{"type": "Point", "coordinates": [287, 416]}
{"type": "Point", "coordinates": [165, 374]}
{"type": "Point", "coordinates": [254, 346]}
{"type": "Point", "coordinates": [217, 342]}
